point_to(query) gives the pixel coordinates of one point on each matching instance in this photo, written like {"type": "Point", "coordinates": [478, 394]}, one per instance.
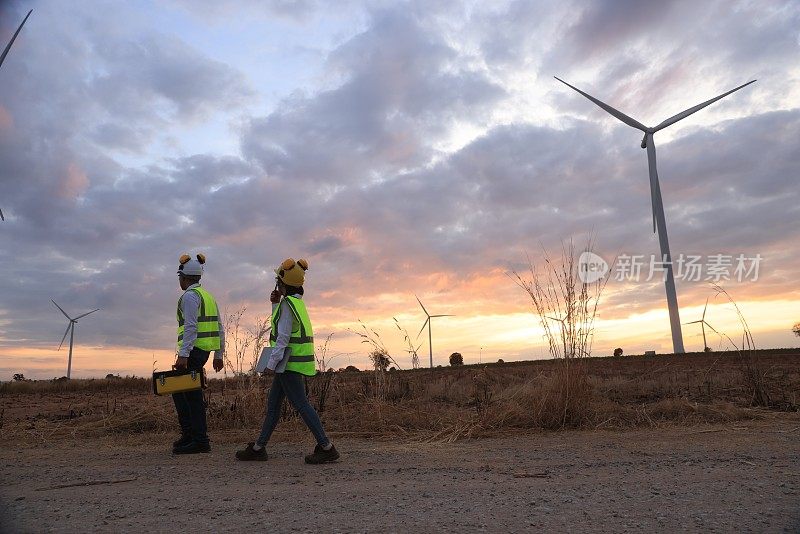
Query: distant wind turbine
{"type": "Point", "coordinates": [71, 331]}
{"type": "Point", "coordinates": [3, 57]}
{"type": "Point", "coordinates": [703, 325]}
{"type": "Point", "coordinates": [428, 324]}
{"type": "Point", "coordinates": [659, 221]}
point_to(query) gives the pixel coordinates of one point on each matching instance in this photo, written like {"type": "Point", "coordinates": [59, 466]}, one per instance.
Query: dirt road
{"type": "Point", "coordinates": [725, 479]}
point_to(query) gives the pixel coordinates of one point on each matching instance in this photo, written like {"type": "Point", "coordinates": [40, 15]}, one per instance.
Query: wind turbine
{"type": "Point", "coordinates": [71, 331]}
{"type": "Point", "coordinates": [659, 222]}
{"type": "Point", "coordinates": [428, 324]}
{"type": "Point", "coordinates": [703, 325]}
{"type": "Point", "coordinates": [3, 57]}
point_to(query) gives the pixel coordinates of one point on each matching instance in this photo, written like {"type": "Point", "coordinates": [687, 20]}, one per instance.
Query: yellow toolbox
{"type": "Point", "coordinates": [178, 381]}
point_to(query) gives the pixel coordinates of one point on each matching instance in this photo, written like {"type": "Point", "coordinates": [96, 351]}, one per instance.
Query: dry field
{"type": "Point", "coordinates": [442, 404]}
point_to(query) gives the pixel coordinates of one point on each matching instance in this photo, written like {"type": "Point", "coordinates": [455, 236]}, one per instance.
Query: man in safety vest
{"type": "Point", "coordinates": [199, 332]}
{"type": "Point", "coordinates": [291, 358]}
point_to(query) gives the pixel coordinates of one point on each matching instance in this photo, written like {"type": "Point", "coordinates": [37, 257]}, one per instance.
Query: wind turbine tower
{"type": "Point", "coordinates": [71, 331]}
{"type": "Point", "coordinates": [657, 205]}
{"type": "Point", "coordinates": [428, 324]}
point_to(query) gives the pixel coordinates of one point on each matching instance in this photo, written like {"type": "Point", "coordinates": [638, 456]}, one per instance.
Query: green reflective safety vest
{"type": "Point", "coordinates": [207, 322]}
{"type": "Point", "coordinates": [301, 342]}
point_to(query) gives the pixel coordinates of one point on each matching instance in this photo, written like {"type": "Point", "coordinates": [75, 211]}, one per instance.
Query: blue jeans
{"type": "Point", "coordinates": [290, 385]}
{"type": "Point", "coordinates": [190, 405]}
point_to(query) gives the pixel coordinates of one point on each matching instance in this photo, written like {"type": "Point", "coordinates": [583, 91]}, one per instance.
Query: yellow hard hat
{"type": "Point", "coordinates": [292, 273]}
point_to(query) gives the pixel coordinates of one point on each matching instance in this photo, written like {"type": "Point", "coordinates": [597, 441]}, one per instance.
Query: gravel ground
{"type": "Point", "coordinates": [741, 478]}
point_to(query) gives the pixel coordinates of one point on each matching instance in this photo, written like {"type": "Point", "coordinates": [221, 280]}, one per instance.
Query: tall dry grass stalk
{"type": "Point", "coordinates": [411, 349]}
{"type": "Point", "coordinates": [753, 374]}
{"type": "Point", "coordinates": [566, 307]}
{"type": "Point", "coordinates": [243, 344]}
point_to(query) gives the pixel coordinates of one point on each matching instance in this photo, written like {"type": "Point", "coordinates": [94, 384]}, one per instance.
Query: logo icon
{"type": "Point", "coordinates": [591, 267]}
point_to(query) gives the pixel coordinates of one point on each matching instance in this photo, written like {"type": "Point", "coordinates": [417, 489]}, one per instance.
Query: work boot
{"type": "Point", "coordinates": [249, 454]}
{"type": "Point", "coordinates": [192, 448]}
{"type": "Point", "coordinates": [185, 439]}
{"type": "Point", "coordinates": [320, 455]}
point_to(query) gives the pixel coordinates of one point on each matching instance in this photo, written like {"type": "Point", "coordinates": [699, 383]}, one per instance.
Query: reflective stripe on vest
{"type": "Point", "coordinates": [207, 322]}
{"type": "Point", "coordinates": [301, 340]}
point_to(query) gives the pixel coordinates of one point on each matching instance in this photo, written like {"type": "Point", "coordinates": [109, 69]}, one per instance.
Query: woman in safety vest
{"type": "Point", "coordinates": [291, 358]}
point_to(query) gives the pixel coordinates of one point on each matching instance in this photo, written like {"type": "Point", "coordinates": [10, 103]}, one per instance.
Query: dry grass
{"type": "Point", "coordinates": [431, 404]}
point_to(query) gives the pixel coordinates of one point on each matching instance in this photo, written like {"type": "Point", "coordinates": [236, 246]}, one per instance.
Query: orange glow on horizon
{"type": "Point", "coordinates": [484, 337]}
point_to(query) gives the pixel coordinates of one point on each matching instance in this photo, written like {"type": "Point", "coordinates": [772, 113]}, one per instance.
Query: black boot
{"type": "Point", "coordinates": [185, 439]}
{"type": "Point", "coordinates": [249, 454]}
{"type": "Point", "coordinates": [320, 455]}
{"type": "Point", "coordinates": [192, 448]}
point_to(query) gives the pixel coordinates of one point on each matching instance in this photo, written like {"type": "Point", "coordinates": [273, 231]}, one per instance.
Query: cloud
{"type": "Point", "coordinates": [399, 94]}
{"type": "Point", "coordinates": [297, 11]}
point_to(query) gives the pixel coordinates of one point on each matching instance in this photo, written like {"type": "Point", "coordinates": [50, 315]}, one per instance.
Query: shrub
{"type": "Point", "coordinates": [456, 359]}
{"type": "Point", "coordinates": [618, 352]}
{"type": "Point", "coordinates": [380, 360]}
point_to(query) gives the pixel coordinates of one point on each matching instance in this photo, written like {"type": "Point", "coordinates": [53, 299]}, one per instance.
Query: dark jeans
{"type": "Point", "coordinates": [290, 385]}
{"type": "Point", "coordinates": [190, 405]}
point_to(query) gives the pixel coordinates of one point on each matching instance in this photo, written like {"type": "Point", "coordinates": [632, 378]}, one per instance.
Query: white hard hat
{"type": "Point", "coordinates": [191, 266]}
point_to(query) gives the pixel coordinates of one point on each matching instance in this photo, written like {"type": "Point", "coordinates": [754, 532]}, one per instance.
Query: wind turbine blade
{"type": "Point", "coordinates": [695, 322]}
{"type": "Point", "coordinates": [704, 311]}
{"type": "Point", "coordinates": [618, 114]}
{"type": "Point", "coordinates": [1, 216]}
{"type": "Point", "coordinates": [87, 313]}
{"type": "Point", "coordinates": [65, 335]}
{"type": "Point", "coordinates": [712, 328]}
{"type": "Point", "coordinates": [695, 109]}
{"type": "Point", "coordinates": [62, 310]}
{"type": "Point", "coordinates": [423, 326]}
{"type": "Point", "coordinates": [447, 315]}
{"type": "Point", "coordinates": [423, 307]}
{"type": "Point", "coordinates": [8, 46]}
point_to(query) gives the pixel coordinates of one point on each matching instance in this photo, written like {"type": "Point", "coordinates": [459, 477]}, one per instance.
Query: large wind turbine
{"type": "Point", "coordinates": [71, 331]}
{"type": "Point", "coordinates": [428, 324]}
{"type": "Point", "coordinates": [659, 221]}
{"type": "Point", "coordinates": [3, 57]}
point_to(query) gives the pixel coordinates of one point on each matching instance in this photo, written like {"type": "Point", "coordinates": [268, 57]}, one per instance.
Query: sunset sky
{"type": "Point", "coordinates": [403, 148]}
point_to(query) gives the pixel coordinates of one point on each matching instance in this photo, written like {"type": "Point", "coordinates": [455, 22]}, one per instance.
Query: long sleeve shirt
{"type": "Point", "coordinates": [280, 351]}
{"type": "Point", "coordinates": [190, 305]}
